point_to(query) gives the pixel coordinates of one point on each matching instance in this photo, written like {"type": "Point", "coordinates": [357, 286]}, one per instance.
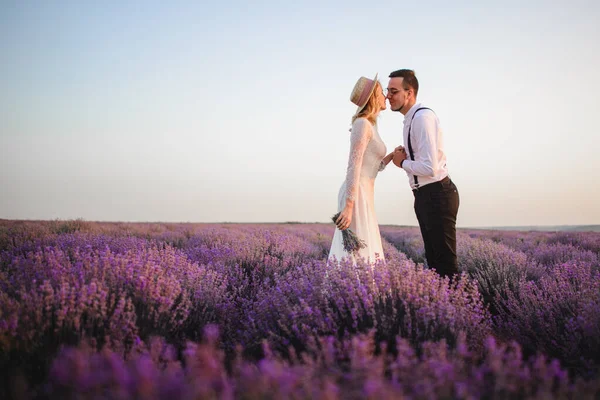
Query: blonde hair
{"type": "Point", "coordinates": [372, 108]}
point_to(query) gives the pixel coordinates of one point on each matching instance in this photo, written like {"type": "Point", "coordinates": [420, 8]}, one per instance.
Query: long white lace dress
{"type": "Point", "coordinates": [367, 151]}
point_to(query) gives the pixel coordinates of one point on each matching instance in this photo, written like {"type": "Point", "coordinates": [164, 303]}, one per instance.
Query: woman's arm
{"type": "Point", "coordinates": [386, 160]}
{"type": "Point", "coordinates": [359, 139]}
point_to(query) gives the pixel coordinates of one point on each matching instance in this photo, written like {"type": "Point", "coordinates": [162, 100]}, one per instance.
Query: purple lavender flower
{"type": "Point", "coordinates": [352, 243]}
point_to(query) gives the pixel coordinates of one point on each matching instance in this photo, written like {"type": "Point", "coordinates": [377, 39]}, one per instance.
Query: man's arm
{"type": "Point", "coordinates": [424, 141]}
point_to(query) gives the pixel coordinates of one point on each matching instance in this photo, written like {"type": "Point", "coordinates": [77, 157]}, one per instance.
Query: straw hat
{"type": "Point", "coordinates": [363, 89]}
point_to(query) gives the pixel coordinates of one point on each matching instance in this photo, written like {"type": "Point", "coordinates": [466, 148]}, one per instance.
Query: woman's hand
{"type": "Point", "coordinates": [386, 160]}
{"type": "Point", "coordinates": [345, 219]}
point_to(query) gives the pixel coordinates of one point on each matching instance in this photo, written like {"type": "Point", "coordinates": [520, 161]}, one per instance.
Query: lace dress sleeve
{"type": "Point", "coordinates": [359, 139]}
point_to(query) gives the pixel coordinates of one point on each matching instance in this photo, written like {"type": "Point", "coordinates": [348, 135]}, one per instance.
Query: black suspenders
{"type": "Point", "coordinates": [410, 149]}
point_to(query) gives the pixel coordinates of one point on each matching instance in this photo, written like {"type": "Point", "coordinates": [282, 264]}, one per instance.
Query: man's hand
{"type": "Point", "coordinates": [399, 156]}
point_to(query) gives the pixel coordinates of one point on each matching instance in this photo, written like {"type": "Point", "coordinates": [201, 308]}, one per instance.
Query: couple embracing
{"type": "Point", "coordinates": [422, 157]}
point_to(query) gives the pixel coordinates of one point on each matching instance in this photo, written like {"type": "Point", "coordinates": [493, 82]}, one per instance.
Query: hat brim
{"type": "Point", "coordinates": [359, 109]}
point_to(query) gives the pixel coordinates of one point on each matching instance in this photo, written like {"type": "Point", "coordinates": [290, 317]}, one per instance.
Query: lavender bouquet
{"type": "Point", "coordinates": [352, 243]}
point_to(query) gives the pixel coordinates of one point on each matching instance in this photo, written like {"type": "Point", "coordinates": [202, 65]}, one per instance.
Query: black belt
{"type": "Point", "coordinates": [431, 186]}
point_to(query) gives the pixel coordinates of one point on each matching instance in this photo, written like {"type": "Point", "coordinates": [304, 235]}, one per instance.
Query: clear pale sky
{"type": "Point", "coordinates": [239, 111]}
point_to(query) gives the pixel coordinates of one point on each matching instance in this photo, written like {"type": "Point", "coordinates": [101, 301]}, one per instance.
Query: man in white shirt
{"type": "Point", "coordinates": [424, 160]}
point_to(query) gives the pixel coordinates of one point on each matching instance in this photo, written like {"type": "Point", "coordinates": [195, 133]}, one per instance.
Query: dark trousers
{"type": "Point", "coordinates": [436, 206]}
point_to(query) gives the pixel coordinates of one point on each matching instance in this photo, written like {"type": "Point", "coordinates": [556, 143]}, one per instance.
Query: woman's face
{"type": "Point", "coordinates": [380, 97]}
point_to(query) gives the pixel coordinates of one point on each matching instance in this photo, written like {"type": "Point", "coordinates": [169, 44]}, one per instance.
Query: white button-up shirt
{"type": "Point", "coordinates": [427, 142]}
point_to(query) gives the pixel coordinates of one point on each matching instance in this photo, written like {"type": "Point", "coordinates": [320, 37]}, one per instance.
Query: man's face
{"type": "Point", "coordinates": [396, 94]}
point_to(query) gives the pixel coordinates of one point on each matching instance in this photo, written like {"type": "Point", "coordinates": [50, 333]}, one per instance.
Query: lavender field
{"type": "Point", "coordinates": [93, 310]}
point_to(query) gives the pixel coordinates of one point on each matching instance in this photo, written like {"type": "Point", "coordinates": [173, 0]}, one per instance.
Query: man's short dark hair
{"type": "Point", "coordinates": [410, 80]}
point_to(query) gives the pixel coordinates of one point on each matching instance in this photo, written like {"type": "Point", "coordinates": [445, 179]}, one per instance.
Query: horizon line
{"type": "Point", "coordinates": [490, 227]}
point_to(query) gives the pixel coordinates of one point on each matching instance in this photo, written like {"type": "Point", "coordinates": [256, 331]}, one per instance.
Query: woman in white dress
{"type": "Point", "coordinates": [367, 158]}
